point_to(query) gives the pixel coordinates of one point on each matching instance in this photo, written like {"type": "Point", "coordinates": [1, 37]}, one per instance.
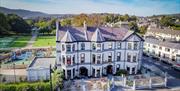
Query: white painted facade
{"type": "Point", "coordinates": [168, 54]}
{"type": "Point", "coordinates": [38, 74]}
{"type": "Point", "coordinates": [164, 33]}
{"type": "Point", "coordinates": [39, 69]}
{"type": "Point", "coordinates": [92, 58]}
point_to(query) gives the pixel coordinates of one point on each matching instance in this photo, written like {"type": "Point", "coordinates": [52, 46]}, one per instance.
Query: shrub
{"type": "Point", "coordinates": [120, 72]}
{"type": "Point", "coordinates": [36, 86]}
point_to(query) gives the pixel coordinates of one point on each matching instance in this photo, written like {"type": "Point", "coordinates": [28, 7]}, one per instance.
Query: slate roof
{"type": "Point", "coordinates": [107, 33]}
{"type": "Point", "coordinates": [163, 43]}
{"type": "Point", "coordinates": [165, 30]}
{"type": "Point", "coordinates": [97, 36]}
{"type": "Point", "coordinates": [42, 63]}
{"type": "Point", "coordinates": [68, 37]}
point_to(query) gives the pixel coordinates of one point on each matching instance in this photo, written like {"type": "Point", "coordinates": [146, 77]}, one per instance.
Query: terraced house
{"type": "Point", "coordinates": [97, 51]}
{"type": "Point", "coordinates": [167, 51]}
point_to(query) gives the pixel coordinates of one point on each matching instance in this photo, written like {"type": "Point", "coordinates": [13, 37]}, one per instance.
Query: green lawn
{"type": "Point", "coordinates": [14, 41]}
{"type": "Point", "coordinates": [21, 41]}
{"type": "Point", "coordinates": [43, 41]}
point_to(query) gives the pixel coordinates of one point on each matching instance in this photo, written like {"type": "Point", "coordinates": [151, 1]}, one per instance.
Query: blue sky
{"type": "Point", "coordinates": [132, 7]}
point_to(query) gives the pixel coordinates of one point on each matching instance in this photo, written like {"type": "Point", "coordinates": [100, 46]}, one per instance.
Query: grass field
{"type": "Point", "coordinates": [14, 41]}
{"type": "Point", "coordinates": [43, 41]}
{"type": "Point", "coordinates": [21, 41]}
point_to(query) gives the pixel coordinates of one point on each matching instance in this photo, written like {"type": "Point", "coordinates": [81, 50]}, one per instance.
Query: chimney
{"type": "Point", "coordinates": [85, 30]}
{"type": "Point", "coordinates": [57, 30]}
{"type": "Point", "coordinates": [85, 26]}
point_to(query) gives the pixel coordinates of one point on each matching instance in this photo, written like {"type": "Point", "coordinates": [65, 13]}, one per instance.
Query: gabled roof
{"type": "Point", "coordinates": [97, 36]}
{"type": "Point", "coordinates": [68, 37]}
{"type": "Point", "coordinates": [156, 41]}
{"type": "Point", "coordinates": [129, 33]}
{"type": "Point", "coordinates": [165, 31]}
{"type": "Point", "coordinates": [42, 63]}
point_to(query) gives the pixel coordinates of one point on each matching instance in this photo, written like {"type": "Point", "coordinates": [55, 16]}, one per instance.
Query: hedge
{"type": "Point", "coordinates": [35, 86]}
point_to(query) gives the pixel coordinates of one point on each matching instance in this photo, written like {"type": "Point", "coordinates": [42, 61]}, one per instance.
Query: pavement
{"type": "Point", "coordinates": [173, 82]}
{"type": "Point", "coordinates": [32, 40]}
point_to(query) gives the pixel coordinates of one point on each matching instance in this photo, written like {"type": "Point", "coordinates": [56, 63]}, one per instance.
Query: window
{"type": "Point", "coordinates": [68, 48]}
{"type": "Point", "coordinates": [94, 58]}
{"type": "Point", "coordinates": [82, 57]}
{"type": "Point", "coordinates": [129, 46]}
{"type": "Point", "coordinates": [110, 46]}
{"type": "Point", "coordinates": [135, 46]}
{"type": "Point", "coordinates": [118, 56]}
{"type": "Point", "coordinates": [110, 57]}
{"type": "Point", "coordinates": [117, 67]}
{"type": "Point", "coordinates": [82, 46]}
{"type": "Point", "coordinates": [73, 48]}
{"type": "Point", "coordinates": [154, 46]}
{"type": "Point", "coordinates": [167, 49]}
{"type": "Point", "coordinates": [134, 58]}
{"type": "Point", "coordinates": [119, 45]}
{"type": "Point", "coordinates": [93, 46]}
{"type": "Point", "coordinates": [63, 48]}
{"type": "Point", "coordinates": [68, 60]}
{"type": "Point", "coordinates": [98, 46]}
{"type": "Point", "coordinates": [129, 58]}
{"type": "Point", "coordinates": [98, 59]}
{"type": "Point", "coordinates": [102, 46]}
{"type": "Point", "coordinates": [63, 58]}
{"type": "Point", "coordinates": [74, 59]}
{"type": "Point", "coordinates": [160, 48]}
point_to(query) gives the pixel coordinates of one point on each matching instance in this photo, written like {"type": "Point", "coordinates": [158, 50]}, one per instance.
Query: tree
{"type": "Point", "coordinates": [4, 26]}
{"type": "Point", "coordinates": [79, 19]}
{"type": "Point", "coordinates": [120, 72]}
{"type": "Point", "coordinates": [126, 17]}
{"type": "Point", "coordinates": [17, 24]}
{"type": "Point", "coordinates": [142, 29]}
{"type": "Point", "coordinates": [133, 26]}
{"type": "Point", "coordinates": [66, 22]}
{"type": "Point", "coordinates": [57, 79]}
{"type": "Point", "coordinates": [166, 21]}
{"type": "Point", "coordinates": [30, 22]}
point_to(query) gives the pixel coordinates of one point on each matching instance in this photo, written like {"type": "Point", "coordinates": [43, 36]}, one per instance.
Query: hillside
{"type": "Point", "coordinates": [22, 13]}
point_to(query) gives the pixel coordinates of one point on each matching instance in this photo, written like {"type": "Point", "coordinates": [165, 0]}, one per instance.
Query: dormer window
{"type": "Point", "coordinates": [82, 46]}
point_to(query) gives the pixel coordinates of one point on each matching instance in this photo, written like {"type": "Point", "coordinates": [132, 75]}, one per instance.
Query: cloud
{"type": "Point", "coordinates": [133, 7]}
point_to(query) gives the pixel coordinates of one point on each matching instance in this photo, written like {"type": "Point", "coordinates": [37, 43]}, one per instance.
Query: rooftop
{"type": "Point", "coordinates": [169, 44]}
{"type": "Point", "coordinates": [165, 30]}
{"type": "Point", "coordinates": [41, 63]}
{"type": "Point", "coordinates": [106, 33]}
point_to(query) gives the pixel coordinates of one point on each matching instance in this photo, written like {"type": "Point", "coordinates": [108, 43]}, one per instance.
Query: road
{"type": "Point", "coordinates": [173, 75]}
{"type": "Point", "coordinates": [163, 67]}
{"type": "Point", "coordinates": [32, 40]}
